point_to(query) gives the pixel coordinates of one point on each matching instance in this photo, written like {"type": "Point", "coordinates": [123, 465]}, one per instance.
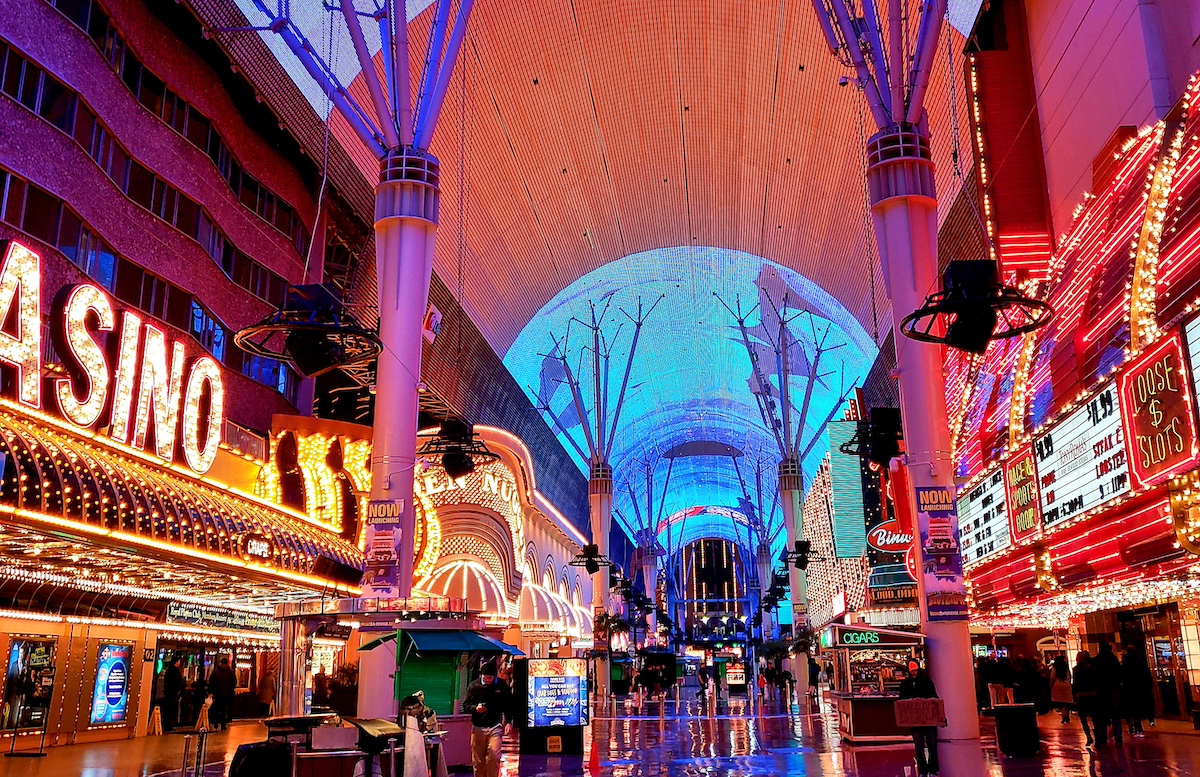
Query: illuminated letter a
{"type": "Point", "coordinates": [20, 280]}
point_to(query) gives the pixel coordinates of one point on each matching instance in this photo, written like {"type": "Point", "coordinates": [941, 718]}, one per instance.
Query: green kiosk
{"type": "Point", "coordinates": [441, 663]}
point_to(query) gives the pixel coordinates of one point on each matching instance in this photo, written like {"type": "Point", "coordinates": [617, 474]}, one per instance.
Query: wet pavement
{"type": "Point", "coordinates": [649, 742]}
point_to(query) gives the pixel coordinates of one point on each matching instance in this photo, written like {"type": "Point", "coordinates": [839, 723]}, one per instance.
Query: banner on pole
{"type": "Point", "coordinates": [383, 535]}
{"type": "Point", "coordinates": [944, 585]}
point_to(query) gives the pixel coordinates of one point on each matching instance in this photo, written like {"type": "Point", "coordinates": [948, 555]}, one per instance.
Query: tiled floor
{"type": "Point", "coordinates": [730, 743]}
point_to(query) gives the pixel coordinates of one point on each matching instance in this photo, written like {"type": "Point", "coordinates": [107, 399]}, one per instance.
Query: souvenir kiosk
{"type": "Point", "coordinates": [869, 665]}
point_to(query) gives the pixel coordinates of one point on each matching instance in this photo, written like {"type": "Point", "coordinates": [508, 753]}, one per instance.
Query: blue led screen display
{"type": "Point", "coordinates": [692, 378]}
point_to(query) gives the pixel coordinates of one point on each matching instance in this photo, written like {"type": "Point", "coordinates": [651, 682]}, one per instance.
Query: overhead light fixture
{"type": "Point", "coordinates": [800, 556]}
{"type": "Point", "coordinates": [313, 332]}
{"type": "Point", "coordinates": [591, 559]}
{"type": "Point", "coordinates": [974, 308]}
{"type": "Point", "coordinates": [459, 448]}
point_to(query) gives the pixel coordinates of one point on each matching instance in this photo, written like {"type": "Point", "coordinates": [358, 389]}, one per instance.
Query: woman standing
{"type": "Point", "coordinates": [1060, 687]}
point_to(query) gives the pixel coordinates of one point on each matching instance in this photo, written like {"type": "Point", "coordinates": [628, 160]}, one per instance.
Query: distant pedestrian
{"type": "Point", "coordinates": [1137, 690]}
{"type": "Point", "coordinates": [174, 684]}
{"type": "Point", "coordinates": [762, 685]}
{"type": "Point", "coordinates": [222, 684]}
{"type": "Point", "coordinates": [1086, 690]}
{"type": "Point", "coordinates": [1108, 681]}
{"type": "Point", "coordinates": [1060, 688]}
{"type": "Point", "coordinates": [829, 674]}
{"type": "Point", "coordinates": [814, 677]}
{"type": "Point", "coordinates": [918, 685]}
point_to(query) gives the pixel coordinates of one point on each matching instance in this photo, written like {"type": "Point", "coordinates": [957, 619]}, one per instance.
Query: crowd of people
{"type": "Point", "coordinates": [1105, 692]}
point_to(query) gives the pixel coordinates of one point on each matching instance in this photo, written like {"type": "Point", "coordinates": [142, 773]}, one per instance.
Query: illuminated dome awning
{"type": "Point", "coordinates": [544, 610]}
{"type": "Point", "coordinates": [470, 581]}
{"type": "Point", "coordinates": [57, 477]}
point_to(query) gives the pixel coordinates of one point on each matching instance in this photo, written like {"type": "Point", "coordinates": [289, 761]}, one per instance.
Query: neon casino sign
{"type": "Point", "coordinates": [137, 387]}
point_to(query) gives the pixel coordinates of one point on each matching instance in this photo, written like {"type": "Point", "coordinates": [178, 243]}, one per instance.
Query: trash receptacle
{"type": "Point", "coordinates": [1016, 729]}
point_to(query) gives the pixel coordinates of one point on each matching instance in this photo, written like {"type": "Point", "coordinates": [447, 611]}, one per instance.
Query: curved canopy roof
{"type": "Point", "coordinates": [663, 148]}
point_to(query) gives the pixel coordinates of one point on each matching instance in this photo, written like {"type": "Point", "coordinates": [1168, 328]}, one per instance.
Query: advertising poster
{"type": "Point", "coordinates": [382, 543]}
{"type": "Point", "coordinates": [557, 692]}
{"type": "Point", "coordinates": [1156, 412]}
{"type": "Point", "coordinates": [1021, 493]}
{"type": "Point", "coordinates": [888, 538]}
{"type": "Point", "coordinates": [111, 693]}
{"type": "Point", "coordinates": [944, 584]}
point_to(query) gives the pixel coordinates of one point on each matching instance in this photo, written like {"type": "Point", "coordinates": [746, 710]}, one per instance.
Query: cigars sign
{"type": "Point", "coordinates": [122, 374]}
{"type": "Point", "coordinates": [1157, 413]}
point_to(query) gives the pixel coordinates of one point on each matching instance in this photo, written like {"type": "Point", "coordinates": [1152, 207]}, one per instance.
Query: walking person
{"type": "Point", "coordinates": [1108, 681]}
{"type": "Point", "coordinates": [1061, 694]}
{"type": "Point", "coordinates": [918, 685]}
{"type": "Point", "coordinates": [174, 684]}
{"type": "Point", "coordinates": [1137, 690]}
{"type": "Point", "coordinates": [489, 702]}
{"type": "Point", "coordinates": [222, 684]}
{"type": "Point", "coordinates": [1086, 692]}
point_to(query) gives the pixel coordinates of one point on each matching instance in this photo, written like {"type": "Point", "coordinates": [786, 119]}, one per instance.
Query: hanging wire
{"type": "Point", "coordinates": [312, 239]}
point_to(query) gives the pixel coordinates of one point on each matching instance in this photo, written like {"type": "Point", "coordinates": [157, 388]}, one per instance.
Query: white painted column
{"type": "Point", "coordinates": [600, 503]}
{"type": "Point", "coordinates": [406, 212]}
{"type": "Point", "coordinates": [904, 213]}
{"type": "Point", "coordinates": [791, 499]}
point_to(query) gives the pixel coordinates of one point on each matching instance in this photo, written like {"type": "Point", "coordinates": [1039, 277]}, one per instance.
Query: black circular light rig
{"type": "Point", "coordinates": [313, 332]}
{"type": "Point", "coordinates": [974, 308]}
{"type": "Point", "coordinates": [458, 446]}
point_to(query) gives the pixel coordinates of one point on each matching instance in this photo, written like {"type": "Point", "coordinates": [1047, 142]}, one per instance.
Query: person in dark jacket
{"type": "Point", "coordinates": [489, 702]}
{"type": "Point", "coordinates": [918, 685]}
{"type": "Point", "coordinates": [174, 684]}
{"type": "Point", "coordinates": [1108, 682]}
{"type": "Point", "coordinates": [222, 684]}
{"type": "Point", "coordinates": [1086, 690]}
{"type": "Point", "coordinates": [1137, 690]}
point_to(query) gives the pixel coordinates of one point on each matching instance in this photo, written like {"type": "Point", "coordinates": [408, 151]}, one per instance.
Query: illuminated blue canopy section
{"type": "Point", "coordinates": [692, 378]}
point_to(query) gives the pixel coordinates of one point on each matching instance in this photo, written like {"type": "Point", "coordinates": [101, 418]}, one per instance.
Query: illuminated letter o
{"type": "Point", "coordinates": [199, 457]}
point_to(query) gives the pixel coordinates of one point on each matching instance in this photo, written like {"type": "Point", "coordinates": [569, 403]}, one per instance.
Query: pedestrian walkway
{"type": "Point", "coordinates": [731, 742]}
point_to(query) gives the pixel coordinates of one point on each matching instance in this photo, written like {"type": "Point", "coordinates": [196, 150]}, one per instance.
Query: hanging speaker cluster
{"type": "Point", "coordinates": [878, 438]}
{"type": "Point", "coordinates": [974, 308]}
{"type": "Point", "coordinates": [313, 332]}
{"type": "Point", "coordinates": [458, 446]}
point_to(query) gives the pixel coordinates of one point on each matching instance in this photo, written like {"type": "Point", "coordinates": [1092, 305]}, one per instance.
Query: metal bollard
{"type": "Point", "coordinates": [295, 759]}
{"type": "Point", "coordinates": [187, 750]}
{"type": "Point", "coordinates": [201, 753]}
{"type": "Point", "coordinates": [392, 757]}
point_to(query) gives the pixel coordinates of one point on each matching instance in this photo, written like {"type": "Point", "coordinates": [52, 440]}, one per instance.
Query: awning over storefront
{"type": "Point", "coordinates": [58, 479]}
{"type": "Point", "coordinates": [471, 581]}
{"type": "Point", "coordinates": [446, 641]}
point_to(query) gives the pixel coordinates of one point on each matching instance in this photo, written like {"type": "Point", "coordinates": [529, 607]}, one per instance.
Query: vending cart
{"type": "Point", "coordinates": [869, 665]}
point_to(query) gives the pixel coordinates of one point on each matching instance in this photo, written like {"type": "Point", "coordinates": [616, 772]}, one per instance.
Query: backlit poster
{"type": "Point", "coordinates": [557, 692]}
{"type": "Point", "coordinates": [1157, 414]}
{"type": "Point", "coordinates": [1021, 493]}
{"type": "Point", "coordinates": [944, 586]}
{"type": "Point", "coordinates": [110, 696]}
{"type": "Point", "coordinates": [382, 546]}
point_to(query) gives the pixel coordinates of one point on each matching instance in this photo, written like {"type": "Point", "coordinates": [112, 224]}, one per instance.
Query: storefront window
{"type": "Point", "coordinates": [28, 683]}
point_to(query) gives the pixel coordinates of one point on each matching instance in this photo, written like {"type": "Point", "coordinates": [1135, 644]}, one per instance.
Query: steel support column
{"type": "Point", "coordinates": [904, 213]}
{"type": "Point", "coordinates": [791, 499]}
{"type": "Point", "coordinates": [600, 494]}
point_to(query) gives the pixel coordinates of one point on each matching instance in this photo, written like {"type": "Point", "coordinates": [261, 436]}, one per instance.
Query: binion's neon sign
{"type": "Point", "coordinates": [137, 386]}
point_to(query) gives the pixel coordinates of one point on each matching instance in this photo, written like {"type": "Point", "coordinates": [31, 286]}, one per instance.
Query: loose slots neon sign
{"type": "Point", "coordinates": [133, 387]}
{"type": "Point", "coordinates": [1156, 410]}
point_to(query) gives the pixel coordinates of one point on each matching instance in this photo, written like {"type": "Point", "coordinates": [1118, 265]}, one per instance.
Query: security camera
{"type": "Point", "coordinates": [843, 81]}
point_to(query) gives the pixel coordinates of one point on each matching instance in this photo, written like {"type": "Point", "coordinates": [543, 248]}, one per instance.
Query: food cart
{"type": "Point", "coordinates": [869, 665]}
{"type": "Point", "coordinates": [441, 663]}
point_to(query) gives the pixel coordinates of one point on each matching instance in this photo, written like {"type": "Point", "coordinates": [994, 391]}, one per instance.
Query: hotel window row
{"type": "Point", "coordinates": [43, 94]}
{"type": "Point", "coordinates": [175, 112]}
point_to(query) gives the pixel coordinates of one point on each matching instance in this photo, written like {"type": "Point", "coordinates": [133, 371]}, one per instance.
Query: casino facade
{"type": "Point", "coordinates": [161, 490]}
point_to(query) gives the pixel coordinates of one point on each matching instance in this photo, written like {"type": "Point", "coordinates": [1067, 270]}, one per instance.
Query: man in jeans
{"type": "Point", "coordinates": [489, 701]}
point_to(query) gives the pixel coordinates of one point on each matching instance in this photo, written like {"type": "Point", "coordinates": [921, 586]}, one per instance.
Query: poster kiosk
{"type": "Point", "coordinates": [551, 698]}
{"type": "Point", "coordinates": [869, 665]}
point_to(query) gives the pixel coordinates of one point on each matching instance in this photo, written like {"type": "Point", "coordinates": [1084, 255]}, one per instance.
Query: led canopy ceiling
{"type": "Point", "coordinates": [691, 392]}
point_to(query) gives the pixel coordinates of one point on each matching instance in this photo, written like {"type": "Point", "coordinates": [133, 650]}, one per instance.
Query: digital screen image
{"type": "Point", "coordinates": [110, 696]}
{"type": "Point", "coordinates": [557, 692]}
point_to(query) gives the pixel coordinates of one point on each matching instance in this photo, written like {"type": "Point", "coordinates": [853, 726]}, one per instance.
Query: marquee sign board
{"type": "Point", "coordinates": [983, 517]}
{"type": "Point", "coordinates": [123, 375]}
{"type": "Point", "coordinates": [1157, 413]}
{"type": "Point", "coordinates": [1081, 461]}
{"type": "Point", "coordinates": [1021, 494]}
